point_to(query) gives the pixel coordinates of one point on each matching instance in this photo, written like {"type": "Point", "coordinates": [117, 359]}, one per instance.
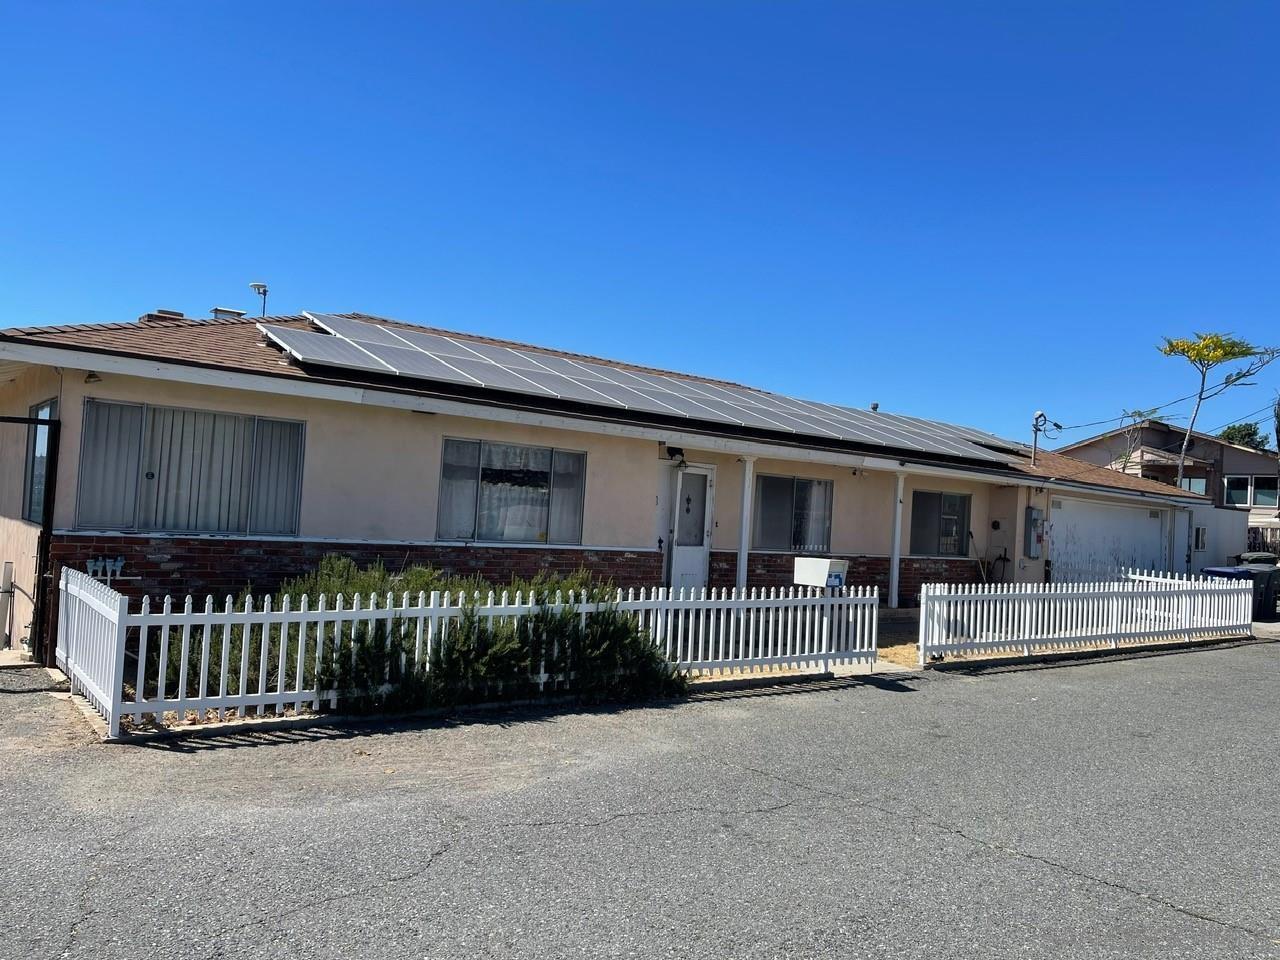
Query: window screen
{"type": "Point", "coordinates": [174, 470]}
{"type": "Point", "coordinates": [939, 524]}
{"type": "Point", "coordinates": [792, 514]}
{"type": "Point", "coordinates": [507, 492]}
{"type": "Point", "coordinates": [37, 460]}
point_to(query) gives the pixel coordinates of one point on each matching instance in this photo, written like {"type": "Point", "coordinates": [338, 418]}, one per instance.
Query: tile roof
{"type": "Point", "coordinates": [237, 344]}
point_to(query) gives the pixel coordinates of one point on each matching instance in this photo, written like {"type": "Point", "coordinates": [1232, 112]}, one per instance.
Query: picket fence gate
{"type": "Point", "coordinates": [187, 661]}
{"type": "Point", "coordinates": [1025, 618]}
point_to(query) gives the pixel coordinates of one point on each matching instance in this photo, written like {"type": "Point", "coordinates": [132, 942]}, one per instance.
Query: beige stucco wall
{"type": "Point", "coordinates": [371, 473]}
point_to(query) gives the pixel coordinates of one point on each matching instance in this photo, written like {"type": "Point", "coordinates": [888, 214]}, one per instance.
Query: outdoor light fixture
{"type": "Point", "coordinates": [92, 377]}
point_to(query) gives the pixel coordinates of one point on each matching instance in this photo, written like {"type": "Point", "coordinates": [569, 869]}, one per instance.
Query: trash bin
{"type": "Point", "coordinates": [1266, 581]}
{"type": "Point", "coordinates": [1257, 556]}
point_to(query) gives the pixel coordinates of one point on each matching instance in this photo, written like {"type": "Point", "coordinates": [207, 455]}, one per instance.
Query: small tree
{"type": "Point", "coordinates": [1245, 435]}
{"type": "Point", "coordinates": [1131, 435]}
{"type": "Point", "coordinates": [1206, 352]}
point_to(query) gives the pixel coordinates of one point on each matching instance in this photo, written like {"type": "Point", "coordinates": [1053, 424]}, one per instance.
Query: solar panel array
{"type": "Point", "coordinates": [396, 351]}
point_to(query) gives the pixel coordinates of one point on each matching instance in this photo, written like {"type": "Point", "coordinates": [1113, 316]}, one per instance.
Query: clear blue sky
{"type": "Point", "coordinates": [960, 210]}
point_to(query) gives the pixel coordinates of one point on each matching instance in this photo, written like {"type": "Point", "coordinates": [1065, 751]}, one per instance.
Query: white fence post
{"type": "Point", "coordinates": [1141, 608]}
{"type": "Point", "coordinates": [117, 672]}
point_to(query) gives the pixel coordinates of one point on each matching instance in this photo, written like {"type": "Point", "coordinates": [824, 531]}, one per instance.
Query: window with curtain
{"type": "Point", "coordinates": [37, 460]}
{"type": "Point", "coordinates": [939, 524]}
{"type": "Point", "coordinates": [792, 514]}
{"type": "Point", "coordinates": [172, 470]}
{"type": "Point", "coordinates": [510, 493]}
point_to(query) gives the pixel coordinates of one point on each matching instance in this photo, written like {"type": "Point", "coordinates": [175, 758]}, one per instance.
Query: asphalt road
{"type": "Point", "coordinates": [1111, 809]}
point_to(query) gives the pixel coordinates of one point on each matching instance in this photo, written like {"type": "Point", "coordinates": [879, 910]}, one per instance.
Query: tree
{"type": "Point", "coordinates": [1206, 352]}
{"type": "Point", "coordinates": [1246, 435]}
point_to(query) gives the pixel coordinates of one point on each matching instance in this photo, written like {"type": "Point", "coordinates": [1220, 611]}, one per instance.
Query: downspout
{"type": "Point", "coordinates": [744, 520]}
{"type": "Point", "coordinates": [895, 553]}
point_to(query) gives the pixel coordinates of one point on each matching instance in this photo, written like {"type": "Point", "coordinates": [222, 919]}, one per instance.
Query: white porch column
{"type": "Point", "coordinates": [895, 553]}
{"type": "Point", "coordinates": [744, 524]}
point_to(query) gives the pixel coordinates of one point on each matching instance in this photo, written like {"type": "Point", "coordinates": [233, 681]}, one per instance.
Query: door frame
{"type": "Point", "coordinates": [41, 650]}
{"type": "Point", "coordinates": [673, 504]}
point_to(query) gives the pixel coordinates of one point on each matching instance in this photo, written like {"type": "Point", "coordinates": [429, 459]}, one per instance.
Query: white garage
{"type": "Point", "coordinates": [1091, 538]}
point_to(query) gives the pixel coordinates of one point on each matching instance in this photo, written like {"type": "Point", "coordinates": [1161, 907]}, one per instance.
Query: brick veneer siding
{"type": "Point", "coordinates": [775, 570]}
{"type": "Point", "coordinates": [217, 565]}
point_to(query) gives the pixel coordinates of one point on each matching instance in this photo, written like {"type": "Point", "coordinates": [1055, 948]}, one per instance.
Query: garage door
{"type": "Point", "coordinates": [1088, 539]}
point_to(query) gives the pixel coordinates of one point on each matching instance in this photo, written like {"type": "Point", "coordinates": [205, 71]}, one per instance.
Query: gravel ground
{"type": "Point", "coordinates": [1119, 808]}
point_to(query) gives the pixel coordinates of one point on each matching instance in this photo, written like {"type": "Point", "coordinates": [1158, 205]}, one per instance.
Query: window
{"type": "Point", "coordinates": [939, 524]}
{"type": "Point", "coordinates": [37, 460]}
{"type": "Point", "coordinates": [1237, 491]}
{"type": "Point", "coordinates": [792, 514]}
{"type": "Point", "coordinates": [1264, 491]}
{"type": "Point", "coordinates": [171, 470]}
{"type": "Point", "coordinates": [1201, 539]}
{"type": "Point", "coordinates": [1195, 484]}
{"type": "Point", "coordinates": [505, 492]}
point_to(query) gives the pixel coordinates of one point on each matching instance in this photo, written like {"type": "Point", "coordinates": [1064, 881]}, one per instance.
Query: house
{"type": "Point", "coordinates": [182, 454]}
{"type": "Point", "coordinates": [1236, 478]}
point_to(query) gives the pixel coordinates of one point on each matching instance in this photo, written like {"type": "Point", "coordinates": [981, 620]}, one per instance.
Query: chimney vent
{"type": "Point", "coordinates": [160, 316]}
{"type": "Point", "coordinates": [226, 313]}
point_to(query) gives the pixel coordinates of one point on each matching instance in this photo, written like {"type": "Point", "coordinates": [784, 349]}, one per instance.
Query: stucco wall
{"type": "Point", "coordinates": [372, 473]}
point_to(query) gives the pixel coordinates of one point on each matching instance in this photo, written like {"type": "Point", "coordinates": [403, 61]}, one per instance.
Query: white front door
{"type": "Point", "coordinates": [691, 524]}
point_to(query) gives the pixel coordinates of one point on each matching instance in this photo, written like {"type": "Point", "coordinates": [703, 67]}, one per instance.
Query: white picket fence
{"type": "Point", "coordinates": [186, 662]}
{"type": "Point", "coordinates": [1027, 618]}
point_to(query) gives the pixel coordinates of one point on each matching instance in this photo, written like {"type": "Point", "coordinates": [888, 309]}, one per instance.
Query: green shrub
{"type": "Point", "coordinates": [597, 657]}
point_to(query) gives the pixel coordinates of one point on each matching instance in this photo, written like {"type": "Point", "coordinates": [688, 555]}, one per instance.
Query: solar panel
{"type": "Point", "coordinates": [311, 347]}
{"type": "Point", "coordinates": [357, 344]}
{"type": "Point", "coordinates": [409, 362]}
{"type": "Point", "coordinates": [567, 388]}
{"type": "Point", "coordinates": [354, 329]}
{"type": "Point", "coordinates": [431, 343]}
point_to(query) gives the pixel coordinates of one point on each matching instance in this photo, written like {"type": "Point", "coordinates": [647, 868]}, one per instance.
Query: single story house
{"type": "Point", "coordinates": [1239, 480]}
{"type": "Point", "coordinates": [190, 455]}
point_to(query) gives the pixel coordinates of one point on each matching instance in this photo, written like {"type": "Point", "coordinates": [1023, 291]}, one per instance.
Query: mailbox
{"type": "Point", "coordinates": [820, 572]}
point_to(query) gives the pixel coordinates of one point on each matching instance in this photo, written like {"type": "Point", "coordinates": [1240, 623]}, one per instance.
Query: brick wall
{"type": "Point", "coordinates": [217, 565]}
{"type": "Point", "coordinates": [775, 570]}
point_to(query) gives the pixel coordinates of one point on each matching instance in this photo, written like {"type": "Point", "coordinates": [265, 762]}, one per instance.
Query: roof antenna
{"type": "Point", "coordinates": [261, 290]}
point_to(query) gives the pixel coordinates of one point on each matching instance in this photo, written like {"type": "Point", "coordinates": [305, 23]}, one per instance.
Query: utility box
{"type": "Point", "coordinates": [1033, 533]}
{"type": "Point", "coordinates": [820, 572]}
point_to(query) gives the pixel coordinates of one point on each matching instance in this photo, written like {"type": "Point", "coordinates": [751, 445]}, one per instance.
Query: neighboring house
{"type": "Point", "coordinates": [1234, 477]}
{"type": "Point", "coordinates": [211, 454]}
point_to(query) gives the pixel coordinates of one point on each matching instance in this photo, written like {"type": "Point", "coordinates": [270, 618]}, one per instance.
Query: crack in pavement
{"type": "Point", "coordinates": [643, 814]}
{"type": "Point", "coordinates": [923, 818]}
{"type": "Point", "coordinates": [378, 883]}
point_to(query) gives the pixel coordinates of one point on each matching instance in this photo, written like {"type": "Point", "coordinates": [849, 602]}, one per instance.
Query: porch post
{"type": "Point", "coordinates": [895, 554]}
{"type": "Point", "coordinates": [744, 523]}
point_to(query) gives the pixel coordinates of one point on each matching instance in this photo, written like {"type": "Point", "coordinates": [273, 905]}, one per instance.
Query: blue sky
{"type": "Point", "coordinates": [960, 210]}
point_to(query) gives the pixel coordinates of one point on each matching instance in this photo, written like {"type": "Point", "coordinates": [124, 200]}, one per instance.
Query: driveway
{"type": "Point", "coordinates": [1123, 808]}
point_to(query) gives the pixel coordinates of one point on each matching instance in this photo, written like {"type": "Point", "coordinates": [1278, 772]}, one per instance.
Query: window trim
{"type": "Point", "coordinates": [551, 486]}
{"type": "Point", "coordinates": [1199, 539]}
{"type": "Point", "coordinates": [1253, 490]}
{"type": "Point", "coordinates": [137, 483]}
{"type": "Point", "coordinates": [29, 467]}
{"type": "Point", "coordinates": [1248, 498]}
{"type": "Point", "coordinates": [964, 554]}
{"type": "Point", "coordinates": [755, 497]}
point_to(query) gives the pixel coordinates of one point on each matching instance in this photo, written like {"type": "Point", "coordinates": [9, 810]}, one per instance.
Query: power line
{"type": "Point", "coordinates": [1125, 416]}
{"type": "Point", "coordinates": [1246, 417]}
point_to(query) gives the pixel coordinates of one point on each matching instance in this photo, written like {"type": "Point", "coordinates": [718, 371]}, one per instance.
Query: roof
{"type": "Point", "coordinates": [1162, 424]}
{"type": "Point", "coordinates": [1055, 466]}
{"type": "Point", "coordinates": [237, 344]}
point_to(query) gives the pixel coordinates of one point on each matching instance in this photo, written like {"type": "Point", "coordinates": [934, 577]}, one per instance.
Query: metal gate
{"type": "Point", "coordinates": [28, 481]}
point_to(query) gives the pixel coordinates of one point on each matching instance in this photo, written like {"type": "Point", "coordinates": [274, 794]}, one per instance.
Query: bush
{"type": "Point", "coordinates": [600, 656]}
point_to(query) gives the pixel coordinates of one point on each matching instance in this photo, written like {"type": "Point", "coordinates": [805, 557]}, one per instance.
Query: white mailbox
{"type": "Point", "coordinates": [820, 572]}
